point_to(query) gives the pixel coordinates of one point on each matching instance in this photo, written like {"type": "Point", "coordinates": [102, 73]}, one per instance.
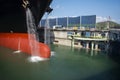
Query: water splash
{"type": "Point", "coordinates": [18, 51]}
{"type": "Point", "coordinates": [36, 59]}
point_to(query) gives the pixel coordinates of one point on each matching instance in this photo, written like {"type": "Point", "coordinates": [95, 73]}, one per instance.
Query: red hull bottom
{"type": "Point", "coordinates": [19, 41]}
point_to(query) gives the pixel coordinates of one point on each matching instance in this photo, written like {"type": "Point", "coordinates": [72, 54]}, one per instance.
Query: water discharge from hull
{"type": "Point", "coordinates": [18, 51]}
{"type": "Point", "coordinates": [47, 31]}
{"type": "Point", "coordinates": [32, 34]}
{"type": "Point", "coordinates": [32, 37]}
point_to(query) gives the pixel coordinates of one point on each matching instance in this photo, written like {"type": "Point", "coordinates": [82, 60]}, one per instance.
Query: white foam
{"type": "Point", "coordinates": [18, 51]}
{"type": "Point", "coordinates": [36, 59]}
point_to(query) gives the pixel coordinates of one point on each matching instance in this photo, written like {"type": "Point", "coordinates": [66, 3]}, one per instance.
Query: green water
{"type": "Point", "coordinates": [66, 64]}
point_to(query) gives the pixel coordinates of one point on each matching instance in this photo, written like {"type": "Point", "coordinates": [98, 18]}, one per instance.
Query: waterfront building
{"type": "Point", "coordinates": [80, 31]}
{"type": "Point", "coordinates": [81, 22]}
{"type": "Point", "coordinates": [74, 21]}
{"type": "Point", "coordinates": [114, 34]}
{"type": "Point", "coordinates": [88, 21]}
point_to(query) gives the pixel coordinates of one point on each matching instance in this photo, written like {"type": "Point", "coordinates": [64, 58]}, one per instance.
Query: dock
{"type": "Point", "coordinates": [88, 39]}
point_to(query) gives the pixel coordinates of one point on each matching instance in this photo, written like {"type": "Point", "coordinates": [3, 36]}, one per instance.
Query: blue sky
{"type": "Point", "coordinates": [101, 8]}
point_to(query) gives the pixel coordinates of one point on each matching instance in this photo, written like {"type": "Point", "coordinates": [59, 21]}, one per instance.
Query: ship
{"type": "Point", "coordinates": [13, 27]}
{"type": "Point", "coordinates": [13, 16]}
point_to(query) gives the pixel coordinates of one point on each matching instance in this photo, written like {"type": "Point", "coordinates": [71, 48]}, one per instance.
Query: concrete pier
{"type": "Point", "coordinates": [92, 46]}
{"type": "Point", "coordinates": [87, 45]}
{"type": "Point", "coordinates": [96, 46]}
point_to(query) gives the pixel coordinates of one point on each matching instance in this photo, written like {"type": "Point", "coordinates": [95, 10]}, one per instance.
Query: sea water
{"type": "Point", "coordinates": [67, 64]}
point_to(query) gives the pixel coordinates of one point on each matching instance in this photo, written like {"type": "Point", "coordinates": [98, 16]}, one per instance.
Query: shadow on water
{"type": "Point", "coordinates": [114, 51]}
{"type": "Point", "coordinates": [112, 74]}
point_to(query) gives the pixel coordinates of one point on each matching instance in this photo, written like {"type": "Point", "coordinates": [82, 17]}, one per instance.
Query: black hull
{"type": "Point", "coordinates": [13, 16]}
